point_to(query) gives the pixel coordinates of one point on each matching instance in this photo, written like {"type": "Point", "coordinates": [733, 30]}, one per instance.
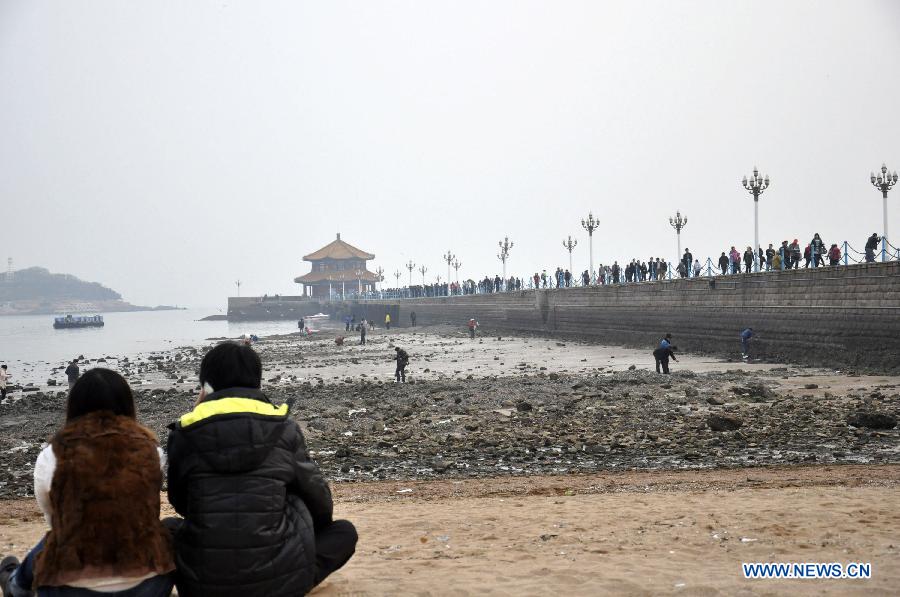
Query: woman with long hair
{"type": "Point", "coordinates": [98, 484]}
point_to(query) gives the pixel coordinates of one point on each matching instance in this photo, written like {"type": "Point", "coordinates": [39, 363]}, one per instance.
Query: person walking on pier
{"type": "Point", "coordinates": [770, 255]}
{"type": "Point", "coordinates": [387, 321]}
{"type": "Point", "coordinates": [723, 263]}
{"type": "Point", "coordinates": [748, 260]}
{"type": "Point", "coordinates": [402, 359]}
{"type": "Point", "coordinates": [734, 258]}
{"type": "Point", "coordinates": [834, 255]}
{"type": "Point", "coordinates": [795, 254]}
{"type": "Point", "coordinates": [663, 353]}
{"type": "Point", "coordinates": [871, 246]}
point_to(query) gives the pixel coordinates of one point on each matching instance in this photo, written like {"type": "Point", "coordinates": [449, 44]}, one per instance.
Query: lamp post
{"type": "Point", "coordinates": [678, 223]}
{"type": "Point", "coordinates": [590, 224]}
{"type": "Point", "coordinates": [456, 266]}
{"type": "Point", "coordinates": [755, 186]}
{"type": "Point", "coordinates": [503, 255]}
{"type": "Point", "coordinates": [379, 273]}
{"type": "Point", "coordinates": [569, 245]}
{"type": "Point", "coordinates": [422, 269]}
{"type": "Point", "coordinates": [397, 275]}
{"type": "Point", "coordinates": [883, 182]}
{"type": "Point", "coordinates": [410, 266]}
{"type": "Point", "coordinates": [238, 284]}
{"type": "Point", "coordinates": [449, 257]}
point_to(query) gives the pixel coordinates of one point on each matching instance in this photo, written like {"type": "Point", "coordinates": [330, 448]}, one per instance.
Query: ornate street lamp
{"type": "Point", "coordinates": [755, 186]}
{"type": "Point", "coordinates": [590, 224]}
{"type": "Point", "coordinates": [503, 255]}
{"type": "Point", "coordinates": [379, 273]}
{"type": "Point", "coordinates": [883, 182]}
{"type": "Point", "coordinates": [678, 223]}
{"type": "Point", "coordinates": [569, 245]}
{"type": "Point", "coordinates": [238, 284]}
{"type": "Point", "coordinates": [456, 266]}
{"type": "Point", "coordinates": [410, 266]}
{"type": "Point", "coordinates": [449, 257]}
{"type": "Point", "coordinates": [397, 275]}
{"type": "Point", "coordinates": [422, 269]}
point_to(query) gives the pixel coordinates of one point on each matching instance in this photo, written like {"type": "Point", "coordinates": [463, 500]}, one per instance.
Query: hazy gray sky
{"type": "Point", "coordinates": [167, 149]}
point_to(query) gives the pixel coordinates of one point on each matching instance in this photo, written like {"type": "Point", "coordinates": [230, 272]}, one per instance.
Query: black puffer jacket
{"type": "Point", "coordinates": [240, 475]}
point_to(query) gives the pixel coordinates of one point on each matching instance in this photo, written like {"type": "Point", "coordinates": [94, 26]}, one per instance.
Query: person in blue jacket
{"type": "Point", "coordinates": [663, 353]}
{"type": "Point", "coordinates": [745, 342]}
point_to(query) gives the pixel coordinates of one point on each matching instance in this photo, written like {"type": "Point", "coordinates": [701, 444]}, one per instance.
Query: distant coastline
{"type": "Point", "coordinates": [77, 308]}
{"type": "Point", "coordinates": [37, 291]}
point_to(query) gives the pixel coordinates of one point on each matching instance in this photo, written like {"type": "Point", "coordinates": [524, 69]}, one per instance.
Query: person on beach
{"type": "Point", "coordinates": [402, 358]}
{"type": "Point", "coordinates": [663, 353]}
{"type": "Point", "coordinates": [72, 373]}
{"type": "Point", "coordinates": [472, 326]}
{"type": "Point", "coordinates": [98, 485]}
{"type": "Point", "coordinates": [258, 514]}
{"type": "Point", "coordinates": [347, 323]}
{"type": "Point", "coordinates": [387, 321]}
{"type": "Point", "coordinates": [362, 332]}
{"type": "Point", "coordinates": [745, 342]}
{"type": "Point", "coordinates": [412, 318]}
{"type": "Point", "coordinates": [300, 324]}
{"type": "Point", "coordinates": [4, 380]}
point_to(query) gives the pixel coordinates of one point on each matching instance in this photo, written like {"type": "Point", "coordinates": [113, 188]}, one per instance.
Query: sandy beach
{"type": "Point", "coordinates": [631, 533]}
{"type": "Point", "coordinates": [526, 465]}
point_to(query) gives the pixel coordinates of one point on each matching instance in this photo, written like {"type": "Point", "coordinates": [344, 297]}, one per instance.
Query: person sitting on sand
{"type": "Point", "coordinates": [98, 484]}
{"type": "Point", "coordinates": [257, 510]}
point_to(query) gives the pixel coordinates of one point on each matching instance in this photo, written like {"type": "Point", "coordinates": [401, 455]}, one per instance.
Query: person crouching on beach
{"type": "Point", "coordinates": [98, 484]}
{"type": "Point", "coordinates": [257, 510]}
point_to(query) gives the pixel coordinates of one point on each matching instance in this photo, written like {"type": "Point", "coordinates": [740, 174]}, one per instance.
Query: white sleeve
{"type": "Point", "coordinates": [44, 468]}
{"type": "Point", "coordinates": [162, 460]}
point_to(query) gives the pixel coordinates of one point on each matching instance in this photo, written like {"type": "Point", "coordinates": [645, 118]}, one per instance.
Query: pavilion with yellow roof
{"type": "Point", "coordinates": [337, 267]}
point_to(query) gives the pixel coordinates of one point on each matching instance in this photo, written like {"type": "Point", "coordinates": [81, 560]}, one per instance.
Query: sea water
{"type": "Point", "coordinates": [31, 348]}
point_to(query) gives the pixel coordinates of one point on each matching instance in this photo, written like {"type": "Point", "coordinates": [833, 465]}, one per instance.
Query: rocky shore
{"type": "Point", "coordinates": [511, 407]}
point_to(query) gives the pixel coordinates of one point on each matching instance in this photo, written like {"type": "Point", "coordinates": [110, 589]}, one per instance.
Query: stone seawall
{"type": "Point", "coordinates": [842, 317]}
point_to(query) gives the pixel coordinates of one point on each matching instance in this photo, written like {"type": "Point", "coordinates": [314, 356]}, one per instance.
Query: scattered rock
{"type": "Point", "coordinates": [872, 420]}
{"type": "Point", "coordinates": [724, 422]}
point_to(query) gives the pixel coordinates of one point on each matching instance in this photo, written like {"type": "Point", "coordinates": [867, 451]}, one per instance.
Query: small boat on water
{"type": "Point", "coordinates": [78, 321]}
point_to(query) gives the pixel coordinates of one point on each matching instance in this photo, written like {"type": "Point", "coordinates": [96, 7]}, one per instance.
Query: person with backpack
{"type": "Point", "coordinates": [98, 485]}
{"type": "Point", "coordinates": [72, 373]}
{"type": "Point", "coordinates": [663, 353]}
{"type": "Point", "coordinates": [834, 255]}
{"type": "Point", "coordinates": [257, 512]}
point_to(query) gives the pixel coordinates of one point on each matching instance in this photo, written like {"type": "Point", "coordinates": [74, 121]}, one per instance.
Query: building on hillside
{"type": "Point", "coordinates": [338, 269]}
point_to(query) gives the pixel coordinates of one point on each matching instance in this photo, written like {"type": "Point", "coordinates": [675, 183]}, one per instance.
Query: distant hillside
{"type": "Point", "coordinates": [36, 291]}
{"type": "Point", "coordinates": [38, 284]}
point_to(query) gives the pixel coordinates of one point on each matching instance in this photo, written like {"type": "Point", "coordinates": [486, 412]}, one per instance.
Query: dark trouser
{"type": "Point", "coordinates": [2, 393]}
{"type": "Point", "coordinates": [414, 323]}
{"type": "Point", "coordinates": [335, 545]}
{"type": "Point", "coordinates": [387, 325]}
{"type": "Point", "coordinates": [362, 339]}
{"type": "Point", "coordinates": [745, 346]}
{"type": "Point", "coordinates": [472, 333]}
{"type": "Point", "coordinates": [748, 267]}
{"type": "Point", "coordinates": [870, 256]}
{"type": "Point", "coordinates": [347, 327]}
{"type": "Point", "coordinates": [19, 584]}
{"type": "Point", "coordinates": [400, 374]}
{"type": "Point", "coordinates": [664, 361]}
{"type": "Point", "coordinates": [735, 267]}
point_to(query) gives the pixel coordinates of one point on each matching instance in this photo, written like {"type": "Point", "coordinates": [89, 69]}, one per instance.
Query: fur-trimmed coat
{"type": "Point", "coordinates": [105, 499]}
